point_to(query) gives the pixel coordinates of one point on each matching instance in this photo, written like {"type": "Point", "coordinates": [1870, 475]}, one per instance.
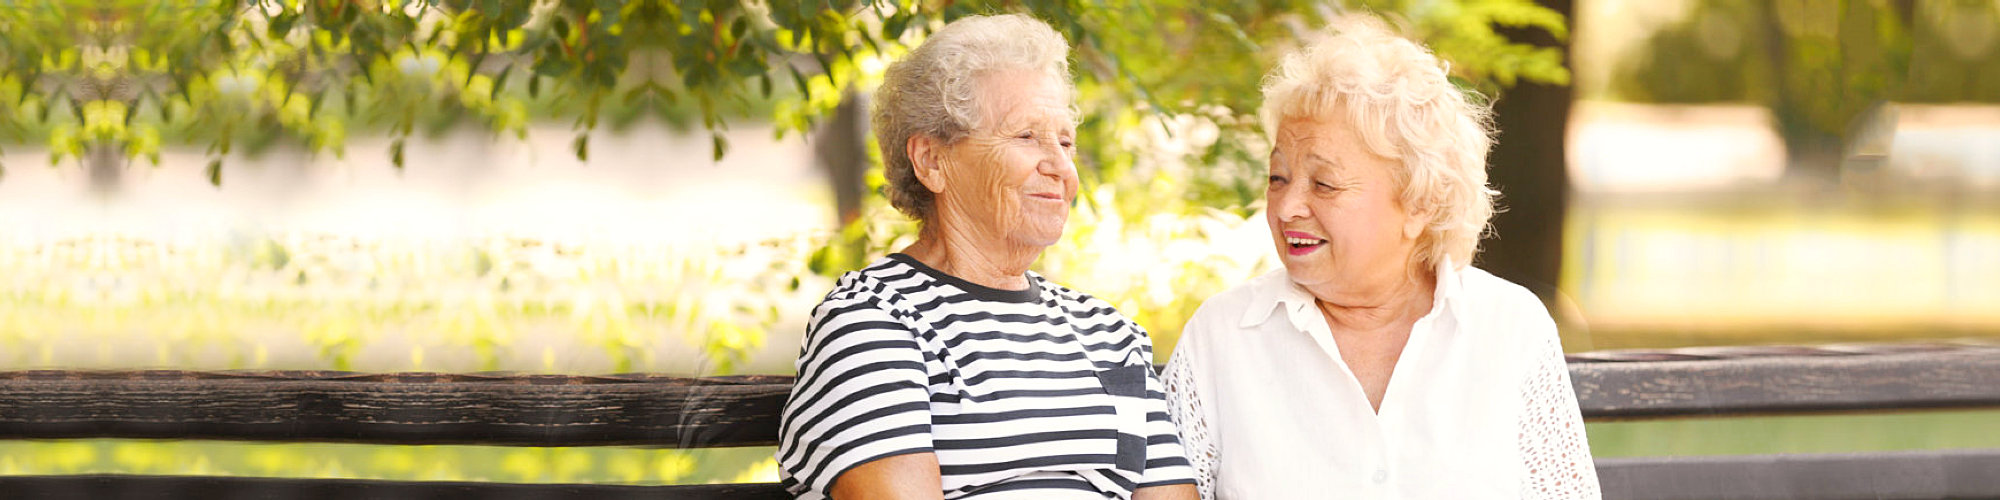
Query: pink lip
{"type": "Point", "coordinates": [1048, 196]}
{"type": "Point", "coordinates": [1297, 251]}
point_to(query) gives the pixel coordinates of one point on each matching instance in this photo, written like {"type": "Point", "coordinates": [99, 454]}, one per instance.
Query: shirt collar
{"type": "Point", "coordinates": [1275, 291]}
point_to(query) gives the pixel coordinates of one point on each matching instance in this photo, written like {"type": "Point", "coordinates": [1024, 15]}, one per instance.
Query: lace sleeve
{"type": "Point", "coordinates": [1184, 405]}
{"type": "Point", "coordinates": [1553, 446]}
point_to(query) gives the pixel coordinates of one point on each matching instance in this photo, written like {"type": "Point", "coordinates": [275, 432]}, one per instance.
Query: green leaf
{"type": "Point", "coordinates": [719, 145]}
{"type": "Point", "coordinates": [632, 96]}
{"type": "Point", "coordinates": [396, 153]}
{"type": "Point", "coordinates": [215, 172]}
{"type": "Point", "coordinates": [582, 147]}
{"type": "Point", "coordinates": [893, 27]}
{"type": "Point", "coordinates": [552, 62]}
{"type": "Point", "coordinates": [472, 68]}
{"type": "Point", "coordinates": [312, 107]}
{"type": "Point", "coordinates": [281, 24]}
{"type": "Point", "coordinates": [500, 81]}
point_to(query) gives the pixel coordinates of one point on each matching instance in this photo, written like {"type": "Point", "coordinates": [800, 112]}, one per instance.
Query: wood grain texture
{"type": "Point", "coordinates": [553, 410]}
{"type": "Point", "coordinates": [1788, 384]}
{"type": "Point", "coordinates": [409, 408]}
{"type": "Point", "coordinates": [1885, 475]}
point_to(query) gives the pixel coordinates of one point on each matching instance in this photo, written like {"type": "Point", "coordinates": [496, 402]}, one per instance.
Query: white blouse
{"type": "Point", "coordinates": [1479, 404]}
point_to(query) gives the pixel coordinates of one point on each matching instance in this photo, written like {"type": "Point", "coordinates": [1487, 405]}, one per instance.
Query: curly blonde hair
{"type": "Point", "coordinates": [1401, 102]}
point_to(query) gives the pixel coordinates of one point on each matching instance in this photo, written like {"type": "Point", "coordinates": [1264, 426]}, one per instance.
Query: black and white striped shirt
{"type": "Point", "coordinates": [1019, 392]}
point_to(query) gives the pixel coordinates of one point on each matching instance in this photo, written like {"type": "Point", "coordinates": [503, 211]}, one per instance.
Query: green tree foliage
{"type": "Point", "coordinates": [1821, 66]}
{"type": "Point", "coordinates": [1954, 53]}
{"type": "Point", "coordinates": [131, 76]}
{"type": "Point", "coordinates": [1169, 90]}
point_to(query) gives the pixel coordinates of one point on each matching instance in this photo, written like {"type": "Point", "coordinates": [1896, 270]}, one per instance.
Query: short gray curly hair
{"type": "Point", "coordinates": [933, 91]}
{"type": "Point", "coordinates": [1399, 98]}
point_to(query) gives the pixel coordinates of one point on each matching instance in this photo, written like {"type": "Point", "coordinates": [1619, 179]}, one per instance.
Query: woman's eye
{"type": "Point", "coordinates": [1025, 135]}
{"type": "Point", "coordinates": [1068, 143]}
{"type": "Point", "coordinates": [1277, 181]}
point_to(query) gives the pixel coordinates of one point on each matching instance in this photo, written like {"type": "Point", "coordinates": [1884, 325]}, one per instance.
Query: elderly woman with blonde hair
{"type": "Point", "coordinates": [1377, 363]}
{"type": "Point", "coordinates": [948, 370]}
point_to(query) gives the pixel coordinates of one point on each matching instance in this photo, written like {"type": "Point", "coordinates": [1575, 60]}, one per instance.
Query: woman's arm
{"type": "Point", "coordinates": [1168, 492]}
{"type": "Point", "coordinates": [1554, 449]}
{"type": "Point", "coordinates": [1184, 405]}
{"type": "Point", "coordinates": [900, 477]}
{"type": "Point", "coordinates": [860, 400]}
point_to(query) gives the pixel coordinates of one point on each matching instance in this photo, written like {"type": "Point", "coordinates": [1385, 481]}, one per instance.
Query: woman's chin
{"type": "Point", "coordinates": [1042, 229]}
{"type": "Point", "coordinates": [1039, 236]}
{"type": "Point", "coordinates": [1304, 272]}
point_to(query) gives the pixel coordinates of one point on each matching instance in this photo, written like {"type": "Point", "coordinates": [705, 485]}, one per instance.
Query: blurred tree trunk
{"type": "Point", "coordinates": [1810, 151]}
{"type": "Point", "coordinates": [1529, 169]}
{"type": "Point", "coordinates": [1829, 72]}
{"type": "Point", "coordinates": [842, 148]}
{"type": "Point", "coordinates": [105, 165]}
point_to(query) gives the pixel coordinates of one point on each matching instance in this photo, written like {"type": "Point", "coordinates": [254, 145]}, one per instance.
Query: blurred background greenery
{"type": "Point", "coordinates": [578, 186]}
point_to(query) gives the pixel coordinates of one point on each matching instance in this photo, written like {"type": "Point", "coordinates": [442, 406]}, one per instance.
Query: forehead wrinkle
{"type": "Point", "coordinates": [1008, 118]}
{"type": "Point", "coordinates": [1315, 157]}
{"type": "Point", "coordinates": [1004, 109]}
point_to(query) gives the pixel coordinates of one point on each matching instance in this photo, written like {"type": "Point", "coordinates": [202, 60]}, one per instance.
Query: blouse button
{"type": "Point", "coordinates": [1381, 476]}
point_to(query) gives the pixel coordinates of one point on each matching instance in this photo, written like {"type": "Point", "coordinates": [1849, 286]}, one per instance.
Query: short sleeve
{"type": "Point", "coordinates": [1554, 448]}
{"type": "Point", "coordinates": [1166, 458]}
{"type": "Point", "coordinates": [861, 395]}
{"type": "Point", "coordinates": [1185, 406]}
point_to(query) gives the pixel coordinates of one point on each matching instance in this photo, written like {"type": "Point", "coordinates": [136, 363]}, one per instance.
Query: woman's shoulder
{"type": "Point", "coordinates": [1064, 295]}
{"type": "Point", "coordinates": [1486, 287]}
{"type": "Point", "coordinates": [1492, 299]}
{"type": "Point", "coordinates": [875, 285]}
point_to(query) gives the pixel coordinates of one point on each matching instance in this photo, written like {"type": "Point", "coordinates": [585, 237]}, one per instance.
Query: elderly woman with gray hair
{"type": "Point", "coordinates": [1377, 363]}
{"type": "Point", "coordinates": [948, 370]}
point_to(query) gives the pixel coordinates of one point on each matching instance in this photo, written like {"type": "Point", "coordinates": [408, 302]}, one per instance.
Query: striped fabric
{"type": "Point", "coordinates": [1042, 392]}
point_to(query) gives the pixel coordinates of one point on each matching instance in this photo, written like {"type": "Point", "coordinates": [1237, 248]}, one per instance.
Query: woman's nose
{"type": "Point", "coordinates": [1287, 206]}
{"type": "Point", "coordinates": [1059, 162]}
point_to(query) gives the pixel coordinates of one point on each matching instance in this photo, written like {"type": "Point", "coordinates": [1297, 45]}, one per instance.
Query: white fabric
{"type": "Point", "coordinates": [1479, 404]}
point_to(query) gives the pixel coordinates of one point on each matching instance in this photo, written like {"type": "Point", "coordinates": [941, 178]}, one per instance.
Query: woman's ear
{"type": "Point", "coordinates": [925, 152]}
{"type": "Point", "coordinates": [1413, 226]}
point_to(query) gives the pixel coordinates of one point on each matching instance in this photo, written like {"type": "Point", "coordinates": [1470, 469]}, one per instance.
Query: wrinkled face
{"type": "Point", "coordinates": [1014, 175]}
{"type": "Point", "coordinates": [1335, 210]}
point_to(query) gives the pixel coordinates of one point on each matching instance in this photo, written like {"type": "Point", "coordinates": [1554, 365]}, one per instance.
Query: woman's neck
{"type": "Point", "coordinates": [982, 261]}
{"type": "Point", "coordinates": [1402, 302]}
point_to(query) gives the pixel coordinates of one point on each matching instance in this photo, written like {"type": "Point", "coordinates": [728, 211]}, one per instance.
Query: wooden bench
{"type": "Point", "coordinates": [550, 410]}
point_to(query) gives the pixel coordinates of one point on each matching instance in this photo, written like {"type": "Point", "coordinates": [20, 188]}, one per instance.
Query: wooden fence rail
{"type": "Point", "coordinates": [554, 410]}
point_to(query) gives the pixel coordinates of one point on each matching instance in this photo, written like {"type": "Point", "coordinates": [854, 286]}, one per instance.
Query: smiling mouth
{"type": "Point", "coordinates": [1301, 245]}
{"type": "Point", "coordinates": [1047, 196]}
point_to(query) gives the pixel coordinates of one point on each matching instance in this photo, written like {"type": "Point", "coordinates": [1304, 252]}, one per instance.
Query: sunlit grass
{"type": "Point", "coordinates": [1842, 433]}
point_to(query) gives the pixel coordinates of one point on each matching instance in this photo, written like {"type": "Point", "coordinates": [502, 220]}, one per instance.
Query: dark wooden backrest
{"type": "Point", "coordinates": [552, 410]}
